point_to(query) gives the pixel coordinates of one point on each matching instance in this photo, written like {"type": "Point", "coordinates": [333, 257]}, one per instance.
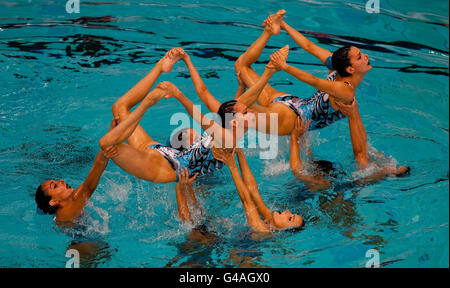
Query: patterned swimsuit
{"type": "Point", "coordinates": [317, 108]}
{"type": "Point", "coordinates": [198, 157]}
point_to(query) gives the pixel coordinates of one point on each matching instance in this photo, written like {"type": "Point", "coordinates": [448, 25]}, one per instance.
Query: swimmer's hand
{"type": "Point", "coordinates": [110, 151]}
{"type": "Point", "coordinates": [300, 127]}
{"type": "Point", "coordinates": [278, 59]}
{"type": "Point", "coordinates": [226, 155]}
{"type": "Point", "coordinates": [184, 55]}
{"type": "Point", "coordinates": [114, 122]}
{"type": "Point", "coordinates": [347, 109]}
{"type": "Point", "coordinates": [170, 90]}
{"type": "Point", "coordinates": [184, 179]}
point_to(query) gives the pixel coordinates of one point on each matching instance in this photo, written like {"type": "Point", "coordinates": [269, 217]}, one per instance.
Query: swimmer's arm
{"type": "Point", "coordinates": [182, 205]}
{"type": "Point", "coordinates": [203, 92]}
{"type": "Point", "coordinates": [294, 159]}
{"type": "Point", "coordinates": [306, 44]}
{"type": "Point", "coordinates": [89, 185]}
{"type": "Point", "coordinates": [126, 127]}
{"type": "Point", "coordinates": [357, 133]}
{"type": "Point", "coordinates": [314, 183]}
{"type": "Point", "coordinates": [251, 211]}
{"type": "Point", "coordinates": [339, 90]}
{"type": "Point", "coordinates": [239, 91]}
{"type": "Point", "coordinates": [359, 142]}
{"type": "Point", "coordinates": [192, 194]}
{"type": "Point", "coordinates": [183, 186]}
{"type": "Point", "coordinates": [252, 186]}
{"type": "Point", "coordinates": [251, 95]}
{"type": "Point", "coordinates": [210, 126]}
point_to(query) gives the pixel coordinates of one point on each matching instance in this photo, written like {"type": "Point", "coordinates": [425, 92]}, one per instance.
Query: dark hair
{"type": "Point", "coordinates": [324, 166]}
{"type": "Point", "coordinates": [292, 229]}
{"type": "Point", "coordinates": [341, 61]}
{"type": "Point", "coordinates": [295, 229]}
{"type": "Point", "coordinates": [42, 201]}
{"type": "Point", "coordinates": [225, 108]}
{"type": "Point", "coordinates": [330, 169]}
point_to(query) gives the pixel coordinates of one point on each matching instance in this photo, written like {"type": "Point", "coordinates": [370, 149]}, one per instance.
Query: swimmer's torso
{"type": "Point", "coordinates": [197, 158]}
{"type": "Point", "coordinates": [317, 108]}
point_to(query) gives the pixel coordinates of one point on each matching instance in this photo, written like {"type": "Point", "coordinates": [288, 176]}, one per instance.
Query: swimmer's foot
{"type": "Point", "coordinates": [274, 22]}
{"type": "Point", "coordinates": [172, 57]}
{"type": "Point", "coordinates": [155, 96]}
{"type": "Point", "coordinates": [278, 59]}
{"type": "Point", "coordinates": [169, 89]}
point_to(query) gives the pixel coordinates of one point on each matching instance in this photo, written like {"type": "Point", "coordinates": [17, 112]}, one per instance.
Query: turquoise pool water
{"type": "Point", "coordinates": [60, 74]}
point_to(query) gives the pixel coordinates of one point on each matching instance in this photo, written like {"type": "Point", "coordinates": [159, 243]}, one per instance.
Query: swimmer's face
{"type": "Point", "coordinates": [244, 117]}
{"type": "Point", "coordinates": [286, 219]}
{"type": "Point", "coordinates": [57, 190]}
{"type": "Point", "coordinates": [360, 61]}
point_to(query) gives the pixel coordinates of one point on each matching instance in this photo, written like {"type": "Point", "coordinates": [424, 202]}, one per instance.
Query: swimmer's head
{"type": "Point", "coordinates": [349, 60]}
{"type": "Point", "coordinates": [184, 138]}
{"type": "Point", "coordinates": [401, 171]}
{"type": "Point", "coordinates": [328, 168]}
{"type": "Point", "coordinates": [50, 194]}
{"type": "Point", "coordinates": [236, 114]}
{"type": "Point", "coordinates": [286, 220]}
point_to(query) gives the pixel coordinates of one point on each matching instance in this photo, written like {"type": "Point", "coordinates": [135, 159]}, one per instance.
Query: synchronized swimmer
{"type": "Point", "coordinates": [188, 155]}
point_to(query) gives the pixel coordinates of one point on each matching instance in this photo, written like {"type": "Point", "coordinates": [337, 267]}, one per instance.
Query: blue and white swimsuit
{"type": "Point", "coordinates": [317, 108]}
{"type": "Point", "coordinates": [198, 157]}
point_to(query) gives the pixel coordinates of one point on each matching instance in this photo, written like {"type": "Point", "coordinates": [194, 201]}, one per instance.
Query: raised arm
{"type": "Point", "coordinates": [306, 44]}
{"type": "Point", "coordinates": [357, 133]}
{"type": "Point", "coordinates": [227, 156]}
{"type": "Point", "coordinates": [252, 186]}
{"type": "Point", "coordinates": [251, 95]}
{"type": "Point", "coordinates": [210, 126]}
{"type": "Point", "coordinates": [339, 90]}
{"type": "Point", "coordinates": [359, 144]}
{"type": "Point", "coordinates": [90, 184]}
{"type": "Point", "coordinates": [87, 188]}
{"type": "Point", "coordinates": [203, 92]}
{"type": "Point", "coordinates": [184, 186]}
{"type": "Point", "coordinates": [314, 183]}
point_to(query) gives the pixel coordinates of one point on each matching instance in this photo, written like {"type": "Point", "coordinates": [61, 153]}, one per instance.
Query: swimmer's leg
{"type": "Point", "coordinates": [254, 51]}
{"type": "Point", "coordinates": [138, 161]}
{"type": "Point", "coordinates": [128, 124]}
{"type": "Point", "coordinates": [139, 139]}
{"type": "Point", "coordinates": [248, 75]}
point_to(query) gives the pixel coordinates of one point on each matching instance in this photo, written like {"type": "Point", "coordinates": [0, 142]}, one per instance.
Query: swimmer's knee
{"type": "Point", "coordinates": [238, 64]}
{"type": "Point", "coordinates": [116, 108]}
{"type": "Point", "coordinates": [120, 109]}
{"type": "Point", "coordinates": [241, 63]}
